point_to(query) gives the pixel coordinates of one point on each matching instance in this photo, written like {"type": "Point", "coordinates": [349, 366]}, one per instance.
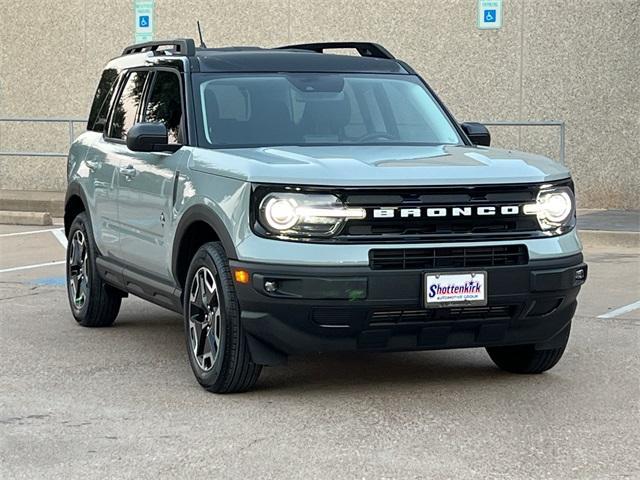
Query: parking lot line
{"type": "Point", "coordinates": [59, 234]}
{"type": "Point", "coordinates": [30, 232]}
{"type": "Point", "coordinates": [29, 267]}
{"type": "Point", "coordinates": [621, 311]}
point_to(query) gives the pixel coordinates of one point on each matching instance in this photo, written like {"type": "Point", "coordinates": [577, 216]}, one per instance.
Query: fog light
{"type": "Point", "coordinates": [271, 286]}
{"type": "Point", "coordinates": [581, 274]}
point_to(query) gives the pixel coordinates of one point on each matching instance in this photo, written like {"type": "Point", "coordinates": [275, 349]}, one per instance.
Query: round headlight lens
{"type": "Point", "coordinates": [280, 213]}
{"type": "Point", "coordinates": [556, 206]}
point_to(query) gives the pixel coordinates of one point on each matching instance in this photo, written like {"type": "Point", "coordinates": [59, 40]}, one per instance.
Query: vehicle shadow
{"type": "Point", "coordinates": [471, 368]}
{"type": "Point", "coordinates": [379, 370]}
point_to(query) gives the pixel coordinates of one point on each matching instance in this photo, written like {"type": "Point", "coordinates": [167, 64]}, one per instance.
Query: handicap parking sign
{"type": "Point", "coordinates": [143, 11]}
{"type": "Point", "coordinates": [489, 14]}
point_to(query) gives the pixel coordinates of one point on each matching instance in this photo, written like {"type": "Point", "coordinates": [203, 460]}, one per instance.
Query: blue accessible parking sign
{"type": "Point", "coordinates": [143, 10]}
{"type": "Point", "coordinates": [489, 14]}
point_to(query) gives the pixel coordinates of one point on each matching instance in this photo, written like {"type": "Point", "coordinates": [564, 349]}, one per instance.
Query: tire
{"type": "Point", "coordinates": [93, 302]}
{"type": "Point", "coordinates": [526, 359]}
{"type": "Point", "coordinates": [216, 343]}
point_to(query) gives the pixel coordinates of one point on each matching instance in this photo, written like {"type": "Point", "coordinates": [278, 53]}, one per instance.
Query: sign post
{"type": "Point", "coordinates": [144, 26]}
{"type": "Point", "coordinates": [489, 14]}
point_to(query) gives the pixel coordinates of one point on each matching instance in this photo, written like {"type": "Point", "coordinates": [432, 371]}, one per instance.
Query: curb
{"type": "Point", "coordinates": [32, 201]}
{"type": "Point", "coordinates": [609, 238]}
{"type": "Point", "coordinates": [25, 218]}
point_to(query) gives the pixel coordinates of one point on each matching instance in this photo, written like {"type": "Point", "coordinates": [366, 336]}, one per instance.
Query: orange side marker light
{"type": "Point", "coordinates": [241, 276]}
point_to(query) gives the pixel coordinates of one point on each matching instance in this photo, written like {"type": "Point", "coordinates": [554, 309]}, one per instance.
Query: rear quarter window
{"type": "Point", "coordinates": [101, 100]}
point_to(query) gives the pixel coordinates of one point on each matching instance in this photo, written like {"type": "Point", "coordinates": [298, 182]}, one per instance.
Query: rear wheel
{"type": "Point", "coordinates": [216, 343]}
{"type": "Point", "coordinates": [93, 302]}
{"type": "Point", "coordinates": [526, 359]}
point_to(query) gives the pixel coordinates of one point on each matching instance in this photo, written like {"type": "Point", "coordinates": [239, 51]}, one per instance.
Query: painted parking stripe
{"type": "Point", "coordinates": [621, 311]}
{"type": "Point", "coordinates": [50, 281]}
{"type": "Point", "coordinates": [29, 267]}
{"type": "Point", "coordinates": [31, 232]}
{"type": "Point", "coordinates": [59, 234]}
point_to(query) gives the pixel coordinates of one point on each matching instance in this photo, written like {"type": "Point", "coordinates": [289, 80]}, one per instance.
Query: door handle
{"type": "Point", "coordinates": [129, 172]}
{"type": "Point", "coordinates": [92, 165]}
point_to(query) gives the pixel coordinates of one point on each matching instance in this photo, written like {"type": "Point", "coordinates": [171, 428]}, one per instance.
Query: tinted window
{"type": "Point", "coordinates": [319, 109]}
{"type": "Point", "coordinates": [100, 105]}
{"type": "Point", "coordinates": [165, 104]}
{"type": "Point", "coordinates": [124, 111]}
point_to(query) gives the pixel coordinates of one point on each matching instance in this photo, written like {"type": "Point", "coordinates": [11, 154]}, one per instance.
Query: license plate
{"type": "Point", "coordinates": [455, 289]}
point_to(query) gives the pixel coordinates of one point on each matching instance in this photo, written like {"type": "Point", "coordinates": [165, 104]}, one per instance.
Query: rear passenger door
{"type": "Point", "coordinates": [102, 169]}
{"type": "Point", "coordinates": [146, 184]}
{"type": "Point", "coordinates": [124, 112]}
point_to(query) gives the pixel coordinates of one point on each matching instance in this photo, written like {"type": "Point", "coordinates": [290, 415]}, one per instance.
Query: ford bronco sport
{"type": "Point", "coordinates": [286, 200]}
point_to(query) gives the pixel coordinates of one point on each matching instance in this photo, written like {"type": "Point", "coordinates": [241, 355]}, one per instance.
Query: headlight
{"type": "Point", "coordinates": [554, 207]}
{"type": "Point", "coordinates": [304, 215]}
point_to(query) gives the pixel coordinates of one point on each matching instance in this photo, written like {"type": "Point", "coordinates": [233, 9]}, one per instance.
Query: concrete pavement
{"type": "Point", "coordinates": [122, 402]}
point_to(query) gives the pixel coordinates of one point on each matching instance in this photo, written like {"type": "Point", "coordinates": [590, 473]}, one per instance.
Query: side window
{"type": "Point", "coordinates": [101, 100]}
{"type": "Point", "coordinates": [125, 109]}
{"type": "Point", "coordinates": [165, 104]}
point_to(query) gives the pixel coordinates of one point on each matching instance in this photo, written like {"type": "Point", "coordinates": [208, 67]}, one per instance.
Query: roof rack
{"type": "Point", "coordinates": [365, 49]}
{"type": "Point", "coordinates": [182, 46]}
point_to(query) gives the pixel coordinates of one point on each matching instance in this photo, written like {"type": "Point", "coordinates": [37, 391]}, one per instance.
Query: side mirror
{"type": "Point", "coordinates": [149, 137]}
{"type": "Point", "coordinates": [477, 133]}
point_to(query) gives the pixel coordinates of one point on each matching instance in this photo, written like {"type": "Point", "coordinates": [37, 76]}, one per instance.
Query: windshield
{"type": "Point", "coordinates": [248, 110]}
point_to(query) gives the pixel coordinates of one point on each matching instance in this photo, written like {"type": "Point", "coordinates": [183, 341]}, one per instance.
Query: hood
{"type": "Point", "coordinates": [378, 165]}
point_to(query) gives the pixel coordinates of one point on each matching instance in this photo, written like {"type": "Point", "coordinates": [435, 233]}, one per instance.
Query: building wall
{"type": "Point", "coordinates": [573, 60]}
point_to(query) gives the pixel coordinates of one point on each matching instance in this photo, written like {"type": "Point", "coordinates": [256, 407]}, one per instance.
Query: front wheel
{"type": "Point", "coordinates": [216, 343]}
{"type": "Point", "coordinates": [526, 359]}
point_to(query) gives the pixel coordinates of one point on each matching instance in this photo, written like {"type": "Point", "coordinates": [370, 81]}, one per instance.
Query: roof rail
{"type": "Point", "coordinates": [183, 46]}
{"type": "Point", "coordinates": [365, 49]}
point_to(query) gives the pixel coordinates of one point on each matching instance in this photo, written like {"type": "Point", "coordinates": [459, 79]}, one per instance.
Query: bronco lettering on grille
{"type": "Point", "coordinates": [417, 212]}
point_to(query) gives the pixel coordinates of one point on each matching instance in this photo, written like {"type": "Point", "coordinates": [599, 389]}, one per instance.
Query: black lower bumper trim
{"type": "Point", "coordinates": [351, 308]}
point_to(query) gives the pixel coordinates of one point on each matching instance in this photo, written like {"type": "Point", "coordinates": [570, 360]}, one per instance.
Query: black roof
{"type": "Point", "coordinates": [294, 58]}
{"type": "Point", "coordinates": [267, 60]}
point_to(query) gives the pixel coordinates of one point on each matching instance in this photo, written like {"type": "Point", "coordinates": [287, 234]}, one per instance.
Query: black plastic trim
{"type": "Point", "coordinates": [203, 214]}
{"type": "Point", "coordinates": [293, 325]}
{"type": "Point", "coordinates": [141, 284]}
{"type": "Point", "coordinates": [260, 190]}
{"type": "Point", "coordinates": [75, 189]}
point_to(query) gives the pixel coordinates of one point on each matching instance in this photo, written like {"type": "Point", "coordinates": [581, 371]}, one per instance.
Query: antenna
{"type": "Point", "coordinates": [202, 45]}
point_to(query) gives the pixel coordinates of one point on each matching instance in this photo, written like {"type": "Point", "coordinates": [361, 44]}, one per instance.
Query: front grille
{"type": "Point", "coordinates": [442, 213]}
{"type": "Point", "coordinates": [450, 257]}
{"type": "Point", "coordinates": [404, 317]}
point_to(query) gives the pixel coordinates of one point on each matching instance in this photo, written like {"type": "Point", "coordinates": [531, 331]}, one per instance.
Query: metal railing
{"type": "Point", "coordinates": [71, 121]}
{"type": "Point", "coordinates": [70, 126]}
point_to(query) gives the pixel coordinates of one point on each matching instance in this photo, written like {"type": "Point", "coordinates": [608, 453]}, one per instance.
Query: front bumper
{"type": "Point", "coordinates": [356, 308]}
